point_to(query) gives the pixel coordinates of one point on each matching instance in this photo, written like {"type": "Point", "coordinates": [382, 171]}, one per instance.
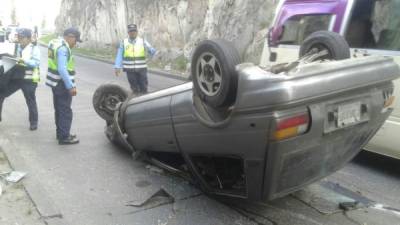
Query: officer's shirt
{"type": "Point", "coordinates": [119, 58]}
{"type": "Point", "coordinates": [32, 60]}
{"type": "Point", "coordinates": [62, 61]}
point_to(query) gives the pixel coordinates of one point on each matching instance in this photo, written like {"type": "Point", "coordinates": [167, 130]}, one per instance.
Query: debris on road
{"type": "Point", "coordinates": [347, 206]}
{"type": "Point", "coordinates": [323, 199]}
{"type": "Point", "coordinates": [161, 197]}
{"type": "Point", "coordinates": [16, 207]}
{"type": "Point", "coordinates": [15, 176]}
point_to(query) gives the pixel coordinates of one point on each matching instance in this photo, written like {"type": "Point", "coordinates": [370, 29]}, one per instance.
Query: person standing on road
{"type": "Point", "coordinates": [61, 79]}
{"type": "Point", "coordinates": [132, 59]}
{"type": "Point", "coordinates": [25, 75]}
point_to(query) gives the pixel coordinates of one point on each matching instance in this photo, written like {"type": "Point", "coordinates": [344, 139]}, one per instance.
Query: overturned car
{"type": "Point", "coordinates": [258, 133]}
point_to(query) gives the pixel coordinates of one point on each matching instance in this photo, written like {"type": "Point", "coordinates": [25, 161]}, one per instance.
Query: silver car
{"type": "Point", "coordinates": [257, 133]}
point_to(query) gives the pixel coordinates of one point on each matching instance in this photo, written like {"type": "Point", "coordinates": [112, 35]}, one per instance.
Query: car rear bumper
{"type": "Point", "coordinates": [297, 162]}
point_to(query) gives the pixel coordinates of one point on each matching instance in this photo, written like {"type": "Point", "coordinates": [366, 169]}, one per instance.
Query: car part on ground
{"type": "Point", "coordinates": [282, 131]}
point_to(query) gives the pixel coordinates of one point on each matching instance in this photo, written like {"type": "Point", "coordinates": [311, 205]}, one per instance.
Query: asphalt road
{"type": "Point", "coordinates": [97, 183]}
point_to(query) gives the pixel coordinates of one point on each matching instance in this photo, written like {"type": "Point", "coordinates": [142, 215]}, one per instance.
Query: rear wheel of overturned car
{"type": "Point", "coordinates": [106, 99]}
{"type": "Point", "coordinates": [325, 45]}
{"type": "Point", "coordinates": [214, 74]}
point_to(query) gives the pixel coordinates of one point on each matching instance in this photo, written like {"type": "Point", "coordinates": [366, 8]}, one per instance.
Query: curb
{"type": "Point", "coordinates": [183, 77]}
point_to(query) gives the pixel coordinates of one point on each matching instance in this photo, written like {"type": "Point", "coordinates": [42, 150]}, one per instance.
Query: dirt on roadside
{"type": "Point", "coordinates": [16, 207]}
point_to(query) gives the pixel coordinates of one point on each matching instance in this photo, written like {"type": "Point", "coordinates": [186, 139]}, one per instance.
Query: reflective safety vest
{"type": "Point", "coordinates": [134, 56]}
{"type": "Point", "coordinates": [53, 77]}
{"type": "Point", "coordinates": [32, 74]}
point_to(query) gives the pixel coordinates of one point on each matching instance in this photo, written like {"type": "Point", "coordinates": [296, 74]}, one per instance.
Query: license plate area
{"type": "Point", "coordinates": [346, 114]}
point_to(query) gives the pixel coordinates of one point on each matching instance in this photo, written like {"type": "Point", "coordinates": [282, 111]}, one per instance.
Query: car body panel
{"type": "Point", "coordinates": [7, 63]}
{"type": "Point", "coordinates": [305, 159]}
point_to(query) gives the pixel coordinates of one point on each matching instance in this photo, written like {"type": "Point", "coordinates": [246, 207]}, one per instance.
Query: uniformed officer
{"type": "Point", "coordinates": [132, 58]}
{"type": "Point", "coordinates": [25, 75]}
{"type": "Point", "coordinates": [61, 78]}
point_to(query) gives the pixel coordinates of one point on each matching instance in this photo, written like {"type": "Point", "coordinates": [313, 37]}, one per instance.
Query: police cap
{"type": "Point", "coordinates": [132, 27]}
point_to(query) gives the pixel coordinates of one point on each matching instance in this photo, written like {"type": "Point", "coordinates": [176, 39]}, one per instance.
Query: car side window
{"type": "Point", "coordinates": [298, 28]}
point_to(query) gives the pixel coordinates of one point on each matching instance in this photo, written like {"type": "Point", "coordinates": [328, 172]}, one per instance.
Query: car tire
{"type": "Point", "coordinates": [214, 74]}
{"type": "Point", "coordinates": [106, 98]}
{"type": "Point", "coordinates": [336, 45]}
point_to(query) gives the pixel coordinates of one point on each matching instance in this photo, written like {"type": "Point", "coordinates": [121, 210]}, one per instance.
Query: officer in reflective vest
{"type": "Point", "coordinates": [25, 75]}
{"type": "Point", "coordinates": [132, 58]}
{"type": "Point", "coordinates": [61, 79]}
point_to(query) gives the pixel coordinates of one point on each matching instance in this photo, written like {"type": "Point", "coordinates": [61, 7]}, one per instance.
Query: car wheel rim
{"type": "Point", "coordinates": [111, 102]}
{"type": "Point", "coordinates": [320, 52]}
{"type": "Point", "coordinates": [209, 74]}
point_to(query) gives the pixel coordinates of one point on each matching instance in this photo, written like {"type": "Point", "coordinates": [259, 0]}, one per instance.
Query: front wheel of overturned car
{"type": "Point", "coordinates": [106, 99]}
{"type": "Point", "coordinates": [214, 74]}
{"type": "Point", "coordinates": [322, 45]}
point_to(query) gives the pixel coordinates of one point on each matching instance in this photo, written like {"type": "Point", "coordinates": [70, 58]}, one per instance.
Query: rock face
{"type": "Point", "coordinates": [173, 27]}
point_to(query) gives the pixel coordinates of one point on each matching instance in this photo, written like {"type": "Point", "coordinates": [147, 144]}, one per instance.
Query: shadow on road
{"type": "Point", "coordinates": [379, 163]}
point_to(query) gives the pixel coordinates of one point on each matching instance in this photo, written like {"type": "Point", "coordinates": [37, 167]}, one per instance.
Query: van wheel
{"type": "Point", "coordinates": [106, 99]}
{"type": "Point", "coordinates": [213, 72]}
{"type": "Point", "coordinates": [327, 45]}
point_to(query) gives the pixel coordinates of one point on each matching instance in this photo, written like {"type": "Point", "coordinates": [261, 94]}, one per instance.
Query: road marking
{"type": "Point", "coordinates": [386, 209]}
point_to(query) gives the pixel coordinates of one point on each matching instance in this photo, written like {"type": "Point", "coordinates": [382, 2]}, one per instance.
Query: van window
{"type": "Point", "coordinates": [375, 24]}
{"type": "Point", "coordinates": [298, 28]}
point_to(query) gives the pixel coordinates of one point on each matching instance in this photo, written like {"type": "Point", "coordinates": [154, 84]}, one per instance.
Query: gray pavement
{"type": "Point", "coordinates": [95, 182]}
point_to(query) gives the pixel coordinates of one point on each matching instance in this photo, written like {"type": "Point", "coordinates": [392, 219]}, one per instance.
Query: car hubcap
{"type": "Point", "coordinates": [208, 74]}
{"type": "Point", "coordinates": [111, 102]}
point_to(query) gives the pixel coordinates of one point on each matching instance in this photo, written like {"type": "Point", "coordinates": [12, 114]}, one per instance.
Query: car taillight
{"type": "Point", "coordinates": [291, 126]}
{"type": "Point", "coordinates": [389, 99]}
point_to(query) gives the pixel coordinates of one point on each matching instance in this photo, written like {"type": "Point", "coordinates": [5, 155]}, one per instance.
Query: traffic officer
{"type": "Point", "coordinates": [25, 75]}
{"type": "Point", "coordinates": [132, 58]}
{"type": "Point", "coordinates": [61, 79]}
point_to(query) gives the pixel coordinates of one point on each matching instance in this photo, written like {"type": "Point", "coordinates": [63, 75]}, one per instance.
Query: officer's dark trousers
{"type": "Point", "coordinates": [29, 90]}
{"type": "Point", "coordinates": [62, 101]}
{"type": "Point", "coordinates": [138, 80]}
